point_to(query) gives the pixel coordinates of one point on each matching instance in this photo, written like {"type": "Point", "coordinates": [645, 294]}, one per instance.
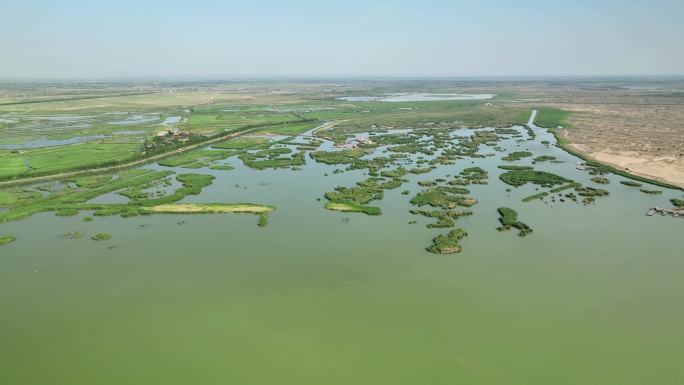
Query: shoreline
{"type": "Point", "coordinates": [132, 163]}
{"type": "Point", "coordinates": [574, 149]}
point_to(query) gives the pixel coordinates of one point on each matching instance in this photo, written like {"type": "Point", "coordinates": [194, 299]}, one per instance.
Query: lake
{"type": "Point", "coordinates": [593, 296]}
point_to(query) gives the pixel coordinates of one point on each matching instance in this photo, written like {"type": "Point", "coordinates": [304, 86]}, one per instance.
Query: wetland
{"type": "Point", "coordinates": [335, 241]}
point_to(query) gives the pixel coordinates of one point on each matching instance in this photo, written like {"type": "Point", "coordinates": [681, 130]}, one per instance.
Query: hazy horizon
{"type": "Point", "coordinates": [263, 39]}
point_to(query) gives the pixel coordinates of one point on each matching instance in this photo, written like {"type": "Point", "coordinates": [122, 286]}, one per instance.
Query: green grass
{"type": "Point", "coordinates": [222, 167]}
{"type": "Point", "coordinates": [535, 197]}
{"type": "Point", "coordinates": [290, 130]}
{"type": "Point", "coordinates": [565, 187]}
{"type": "Point", "coordinates": [552, 117]}
{"type": "Point", "coordinates": [473, 114]}
{"type": "Point", "coordinates": [66, 212]}
{"type": "Point", "coordinates": [241, 143]}
{"type": "Point", "coordinates": [6, 239]}
{"type": "Point", "coordinates": [210, 120]}
{"type": "Point", "coordinates": [509, 217]}
{"type": "Point", "coordinates": [11, 197]}
{"type": "Point", "coordinates": [92, 181]}
{"type": "Point", "coordinates": [45, 161]}
{"type": "Point", "coordinates": [197, 158]}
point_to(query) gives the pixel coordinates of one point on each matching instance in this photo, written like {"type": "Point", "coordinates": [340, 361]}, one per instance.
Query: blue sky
{"type": "Point", "coordinates": [304, 38]}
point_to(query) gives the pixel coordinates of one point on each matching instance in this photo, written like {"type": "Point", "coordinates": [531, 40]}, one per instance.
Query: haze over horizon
{"type": "Point", "coordinates": [263, 38]}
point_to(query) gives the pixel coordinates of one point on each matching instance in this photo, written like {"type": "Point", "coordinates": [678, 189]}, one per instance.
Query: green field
{"type": "Point", "coordinates": [52, 160]}
{"type": "Point", "coordinates": [552, 117]}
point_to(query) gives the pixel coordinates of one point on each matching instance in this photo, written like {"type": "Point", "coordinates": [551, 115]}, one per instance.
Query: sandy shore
{"type": "Point", "coordinates": [665, 169]}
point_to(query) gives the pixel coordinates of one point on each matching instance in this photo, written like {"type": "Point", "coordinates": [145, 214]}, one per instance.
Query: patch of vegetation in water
{"type": "Point", "coordinates": [419, 170]}
{"type": "Point", "coordinates": [101, 237]}
{"type": "Point", "coordinates": [517, 155]}
{"type": "Point", "coordinates": [631, 183]}
{"type": "Point", "coordinates": [444, 197]}
{"type": "Point", "coordinates": [353, 208]}
{"type": "Point", "coordinates": [197, 158]}
{"type": "Point", "coordinates": [427, 183]}
{"type": "Point", "coordinates": [513, 167]}
{"type": "Point", "coordinates": [541, 195]}
{"type": "Point", "coordinates": [447, 243]}
{"type": "Point", "coordinates": [519, 178]}
{"type": "Point", "coordinates": [506, 131]}
{"type": "Point", "coordinates": [396, 173]}
{"type": "Point", "coordinates": [474, 175]}
{"type": "Point", "coordinates": [372, 165]}
{"type": "Point", "coordinates": [565, 187]}
{"type": "Point", "coordinates": [544, 158]}
{"type": "Point", "coordinates": [222, 167]}
{"type": "Point", "coordinates": [590, 194]}
{"type": "Point", "coordinates": [337, 157]}
{"type": "Point", "coordinates": [354, 199]}
{"type": "Point", "coordinates": [193, 183]}
{"type": "Point", "coordinates": [73, 235]}
{"type": "Point", "coordinates": [263, 220]}
{"type": "Point", "coordinates": [271, 158]}
{"type": "Point", "coordinates": [391, 184]}
{"type": "Point", "coordinates": [66, 212]}
{"type": "Point", "coordinates": [445, 218]}
{"type": "Point", "coordinates": [509, 219]}
{"type": "Point", "coordinates": [6, 240]}
{"type": "Point", "coordinates": [600, 180]}
{"type": "Point", "coordinates": [412, 148]}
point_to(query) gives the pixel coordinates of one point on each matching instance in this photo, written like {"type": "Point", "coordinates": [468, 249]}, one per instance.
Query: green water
{"type": "Point", "coordinates": [593, 296]}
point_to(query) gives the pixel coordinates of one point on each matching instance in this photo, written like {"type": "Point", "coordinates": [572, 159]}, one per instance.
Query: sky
{"type": "Point", "coordinates": [211, 39]}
